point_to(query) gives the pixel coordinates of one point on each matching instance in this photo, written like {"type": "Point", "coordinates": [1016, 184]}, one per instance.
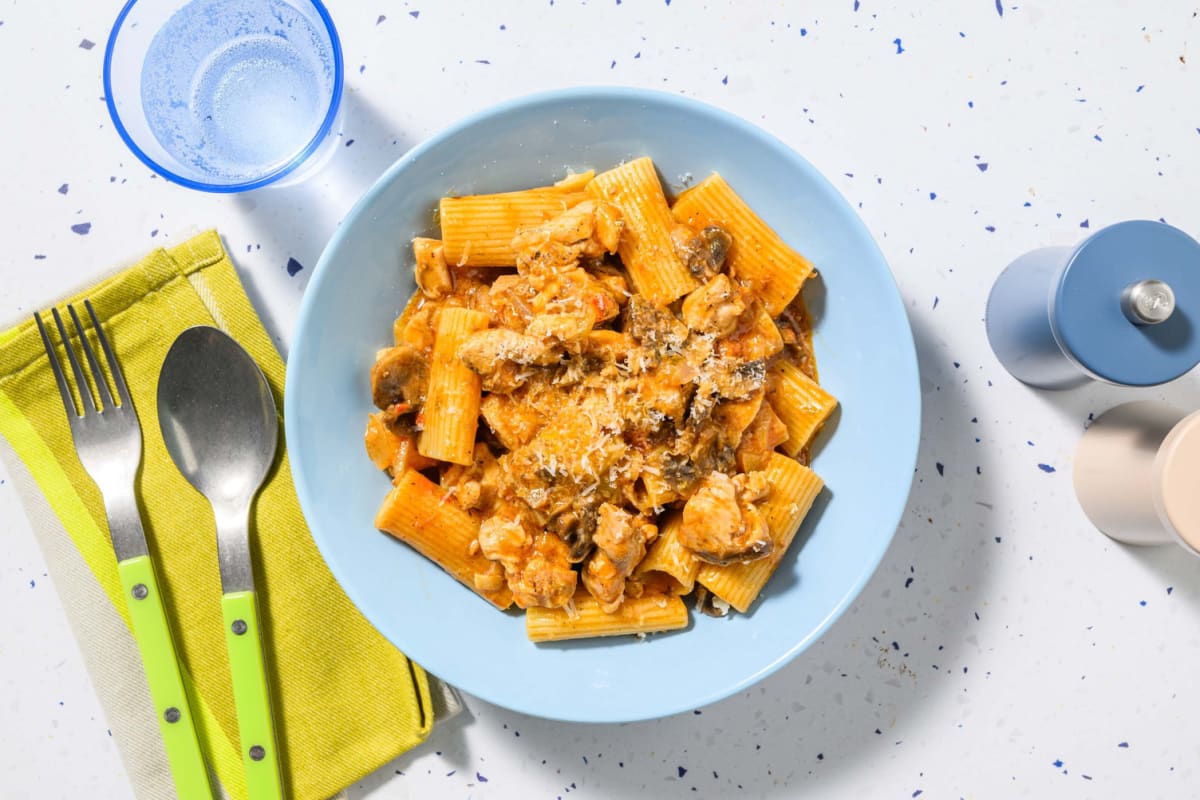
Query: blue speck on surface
{"type": "Point", "coordinates": [613, 65]}
{"type": "Point", "coordinates": [1085, 224]}
{"type": "Point", "coordinates": [87, 44]}
{"type": "Point", "coordinates": [82, 228]}
{"type": "Point", "coordinates": [908, 582]}
{"type": "Point", "coordinates": [414, 14]}
{"type": "Point", "coordinates": [999, 8]}
{"type": "Point", "coordinates": [39, 256]}
{"type": "Point", "coordinates": [1058, 763]}
{"type": "Point", "coordinates": [899, 46]}
{"type": "Point", "coordinates": [349, 142]}
{"type": "Point", "coordinates": [503, 27]}
{"type": "Point", "coordinates": [382, 17]}
{"type": "Point", "coordinates": [479, 777]}
{"type": "Point", "coordinates": [1124, 745]}
{"type": "Point", "coordinates": [804, 31]}
{"type": "Point", "coordinates": [917, 793]}
{"type": "Point", "coordinates": [482, 61]}
{"type": "Point", "coordinates": [1046, 468]}
{"type": "Point", "coordinates": [1140, 87]}
{"type": "Point", "coordinates": [998, 540]}
{"type": "Point", "coordinates": [293, 266]}
{"type": "Point", "coordinates": [941, 468]}
{"type": "Point", "coordinates": [682, 771]}
{"type": "Point", "coordinates": [32, 584]}
{"type": "Point", "coordinates": [725, 81]}
{"type": "Point", "coordinates": [362, 68]}
{"type": "Point", "coordinates": [856, 5]}
{"type": "Point", "coordinates": [1170, 589]}
{"type": "Point", "coordinates": [933, 195]}
{"type": "Point", "coordinates": [970, 104]}
{"type": "Point", "coordinates": [1142, 603]}
{"type": "Point", "coordinates": [935, 301]}
{"type": "Point", "coordinates": [64, 189]}
{"type": "Point", "coordinates": [982, 166]}
{"type": "Point", "coordinates": [821, 756]}
{"type": "Point", "coordinates": [154, 233]}
{"type": "Point", "coordinates": [1097, 137]}
{"type": "Point", "coordinates": [990, 228]}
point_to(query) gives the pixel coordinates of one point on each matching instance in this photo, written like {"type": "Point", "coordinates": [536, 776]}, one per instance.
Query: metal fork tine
{"type": "Point", "coordinates": [93, 364]}
{"type": "Point", "coordinates": [113, 366]}
{"type": "Point", "coordinates": [85, 392]}
{"type": "Point", "coordinates": [59, 378]}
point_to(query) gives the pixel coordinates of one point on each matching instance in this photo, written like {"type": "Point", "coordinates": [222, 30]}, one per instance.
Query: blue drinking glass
{"type": "Point", "coordinates": [225, 95]}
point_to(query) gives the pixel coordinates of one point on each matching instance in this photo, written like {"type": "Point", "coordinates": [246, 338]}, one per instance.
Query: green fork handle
{"type": "Point", "coordinates": [161, 663]}
{"type": "Point", "coordinates": [243, 639]}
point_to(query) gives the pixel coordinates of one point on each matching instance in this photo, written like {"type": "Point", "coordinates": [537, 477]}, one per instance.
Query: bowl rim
{"type": "Point", "coordinates": [302, 155]}
{"type": "Point", "coordinates": [602, 93]}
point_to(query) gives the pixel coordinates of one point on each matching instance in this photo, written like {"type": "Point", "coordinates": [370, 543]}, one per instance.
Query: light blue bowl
{"type": "Point", "coordinates": [864, 349]}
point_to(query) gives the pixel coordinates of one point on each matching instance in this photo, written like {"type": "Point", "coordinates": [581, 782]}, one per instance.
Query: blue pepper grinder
{"type": "Point", "coordinates": [1121, 307]}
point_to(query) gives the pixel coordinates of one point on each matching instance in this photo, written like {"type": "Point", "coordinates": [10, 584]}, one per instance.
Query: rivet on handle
{"type": "Point", "coordinates": [172, 714]}
{"type": "Point", "coordinates": [258, 752]}
{"type": "Point", "coordinates": [140, 591]}
{"type": "Point", "coordinates": [238, 626]}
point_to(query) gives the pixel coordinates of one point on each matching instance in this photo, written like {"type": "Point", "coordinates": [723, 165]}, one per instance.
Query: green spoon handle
{"type": "Point", "coordinates": [243, 639]}
{"type": "Point", "coordinates": [161, 663]}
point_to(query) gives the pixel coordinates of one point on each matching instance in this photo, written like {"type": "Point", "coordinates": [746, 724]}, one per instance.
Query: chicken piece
{"type": "Point", "coordinates": [393, 446]}
{"type": "Point", "coordinates": [431, 271]}
{"type": "Point", "coordinates": [662, 395]}
{"type": "Point", "coordinates": [504, 538]}
{"type": "Point", "coordinates": [510, 300]}
{"type": "Point", "coordinates": [721, 525]}
{"type": "Point", "coordinates": [620, 541]}
{"type": "Point", "coordinates": [760, 439]}
{"type": "Point", "coordinates": [574, 292]}
{"type": "Point", "coordinates": [545, 578]}
{"type": "Point", "coordinates": [756, 338]}
{"type": "Point", "coordinates": [382, 444]}
{"type": "Point", "coordinates": [623, 537]}
{"type": "Point", "coordinates": [417, 327]}
{"type": "Point", "coordinates": [560, 327]}
{"type": "Point", "coordinates": [475, 486]}
{"type": "Point", "coordinates": [613, 279]}
{"type": "Point", "coordinates": [703, 253]}
{"type": "Point", "coordinates": [587, 230]}
{"type": "Point", "coordinates": [607, 346]}
{"type": "Point", "coordinates": [400, 375]}
{"type": "Point", "coordinates": [487, 351]}
{"type": "Point", "coordinates": [735, 416]}
{"type": "Point", "coordinates": [511, 417]}
{"type": "Point", "coordinates": [715, 307]}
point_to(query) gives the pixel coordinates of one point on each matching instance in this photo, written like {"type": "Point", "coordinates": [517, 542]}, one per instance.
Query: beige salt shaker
{"type": "Point", "coordinates": [1137, 474]}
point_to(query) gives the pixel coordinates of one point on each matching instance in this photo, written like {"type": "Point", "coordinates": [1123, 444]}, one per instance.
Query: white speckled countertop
{"type": "Point", "coordinates": [1004, 648]}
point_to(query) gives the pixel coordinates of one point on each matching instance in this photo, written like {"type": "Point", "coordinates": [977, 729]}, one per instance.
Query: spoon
{"type": "Point", "coordinates": [219, 424]}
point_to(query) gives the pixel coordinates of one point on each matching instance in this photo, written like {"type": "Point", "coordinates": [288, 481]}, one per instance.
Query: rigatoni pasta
{"type": "Point", "coordinates": [757, 254]}
{"type": "Point", "coordinates": [452, 409]}
{"type": "Point", "coordinates": [477, 230]}
{"type": "Point", "coordinates": [647, 249]}
{"type": "Point", "coordinates": [418, 512]}
{"type": "Point", "coordinates": [593, 406]}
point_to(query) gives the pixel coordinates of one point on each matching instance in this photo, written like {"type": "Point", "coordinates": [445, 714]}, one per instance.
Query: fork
{"type": "Point", "coordinates": [108, 440]}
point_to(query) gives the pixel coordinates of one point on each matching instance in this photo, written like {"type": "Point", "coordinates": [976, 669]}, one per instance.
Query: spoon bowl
{"type": "Point", "coordinates": [217, 415]}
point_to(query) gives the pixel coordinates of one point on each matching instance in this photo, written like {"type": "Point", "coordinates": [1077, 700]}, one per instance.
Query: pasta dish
{"type": "Point", "coordinates": [598, 403]}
